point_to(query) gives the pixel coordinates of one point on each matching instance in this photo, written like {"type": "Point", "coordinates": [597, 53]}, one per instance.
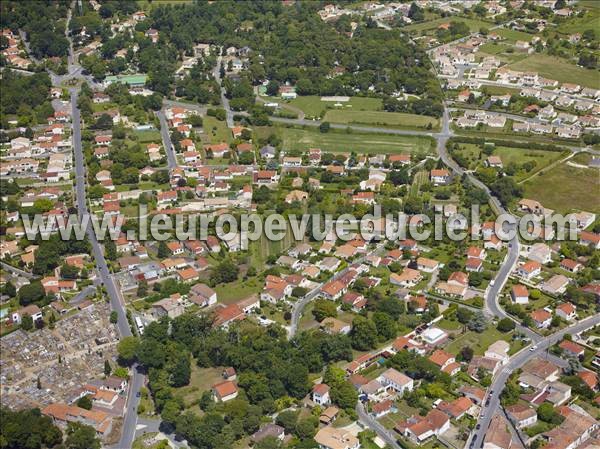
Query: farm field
{"type": "Point", "coordinates": [565, 188]}
{"type": "Point", "coordinates": [391, 119]}
{"type": "Point", "coordinates": [314, 107]}
{"type": "Point", "coordinates": [303, 139]}
{"type": "Point", "coordinates": [560, 70]}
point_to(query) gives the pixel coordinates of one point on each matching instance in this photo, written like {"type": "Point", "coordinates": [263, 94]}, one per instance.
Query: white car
{"type": "Point", "coordinates": [533, 348]}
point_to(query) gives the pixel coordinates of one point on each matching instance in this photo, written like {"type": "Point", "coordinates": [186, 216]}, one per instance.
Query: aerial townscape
{"type": "Point", "coordinates": [122, 119]}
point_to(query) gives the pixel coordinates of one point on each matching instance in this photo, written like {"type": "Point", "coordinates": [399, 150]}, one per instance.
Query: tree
{"type": "Point", "coordinates": [27, 428]}
{"type": "Point", "coordinates": [324, 127]}
{"type": "Point", "coordinates": [163, 250]}
{"type": "Point", "coordinates": [110, 249]}
{"type": "Point", "coordinates": [114, 317]}
{"type": "Point", "coordinates": [385, 325]}
{"type": "Point", "coordinates": [287, 419]}
{"type": "Point", "coordinates": [363, 334]}
{"type": "Point", "coordinates": [323, 309]}
{"type": "Point", "coordinates": [142, 289]}
{"type": "Point", "coordinates": [81, 436]}
{"type": "Point", "coordinates": [466, 353]}
{"type": "Point", "coordinates": [107, 368]}
{"type": "Point", "coordinates": [478, 323]}
{"type": "Point", "coordinates": [127, 349]}
{"type": "Point", "coordinates": [26, 322]}
{"type": "Point", "coordinates": [225, 271]}
{"type": "Point", "coordinates": [85, 402]}
{"type": "Point", "coordinates": [69, 271]}
{"type": "Point", "coordinates": [31, 293]}
{"type": "Point", "coordinates": [506, 325]}
{"type": "Point", "coordinates": [547, 414]}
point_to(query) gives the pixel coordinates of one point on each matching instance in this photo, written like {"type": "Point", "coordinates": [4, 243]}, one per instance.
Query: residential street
{"type": "Point", "coordinates": [166, 138]}
{"type": "Point", "coordinates": [137, 379]}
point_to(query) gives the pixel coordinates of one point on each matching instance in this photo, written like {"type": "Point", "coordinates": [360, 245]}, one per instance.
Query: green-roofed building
{"type": "Point", "coordinates": [138, 80]}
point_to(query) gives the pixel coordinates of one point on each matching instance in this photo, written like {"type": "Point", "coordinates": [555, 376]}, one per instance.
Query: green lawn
{"type": "Point", "coordinates": [514, 35]}
{"type": "Point", "coordinates": [509, 155]}
{"type": "Point", "coordinates": [565, 188]}
{"type": "Point", "coordinates": [148, 136]}
{"type": "Point", "coordinates": [235, 291]}
{"type": "Point", "coordinates": [559, 69]}
{"type": "Point", "coordinates": [313, 106]}
{"type": "Point", "coordinates": [303, 139]}
{"type": "Point", "coordinates": [492, 48]}
{"type": "Point", "coordinates": [474, 25]}
{"type": "Point", "coordinates": [201, 379]}
{"type": "Point", "coordinates": [478, 342]}
{"type": "Point", "coordinates": [580, 24]}
{"type": "Point", "coordinates": [392, 119]}
{"type": "Point", "coordinates": [216, 131]}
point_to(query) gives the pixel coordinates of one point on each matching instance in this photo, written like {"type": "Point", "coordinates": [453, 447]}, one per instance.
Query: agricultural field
{"type": "Point", "coordinates": [565, 188]}
{"type": "Point", "coordinates": [561, 70]}
{"type": "Point", "coordinates": [386, 119]}
{"type": "Point", "coordinates": [334, 141]}
{"type": "Point", "coordinates": [314, 107]}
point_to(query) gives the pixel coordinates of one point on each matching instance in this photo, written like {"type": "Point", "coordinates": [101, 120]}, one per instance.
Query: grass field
{"type": "Point", "coordinates": [492, 48]}
{"type": "Point", "coordinates": [474, 25]}
{"type": "Point", "coordinates": [510, 155]}
{"type": "Point", "coordinates": [148, 136]}
{"type": "Point", "coordinates": [558, 69]}
{"type": "Point", "coordinates": [514, 35]}
{"type": "Point", "coordinates": [314, 107]}
{"type": "Point", "coordinates": [391, 119]}
{"type": "Point", "coordinates": [303, 139]}
{"type": "Point", "coordinates": [216, 131]}
{"type": "Point", "coordinates": [201, 379]}
{"type": "Point", "coordinates": [478, 342]}
{"type": "Point", "coordinates": [580, 24]}
{"type": "Point", "coordinates": [564, 188]}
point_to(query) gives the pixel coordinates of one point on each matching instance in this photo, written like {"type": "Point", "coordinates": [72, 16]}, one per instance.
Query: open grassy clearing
{"type": "Point", "coordinates": [216, 131]}
{"type": "Point", "coordinates": [565, 188]}
{"type": "Point", "coordinates": [474, 25]}
{"type": "Point", "coordinates": [201, 379]}
{"type": "Point", "coordinates": [303, 139]}
{"type": "Point", "coordinates": [514, 35]}
{"type": "Point", "coordinates": [478, 342]}
{"type": "Point", "coordinates": [509, 155]}
{"type": "Point", "coordinates": [238, 290]}
{"type": "Point", "coordinates": [492, 48]}
{"type": "Point", "coordinates": [559, 69]}
{"type": "Point", "coordinates": [392, 119]}
{"type": "Point", "coordinates": [313, 106]}
{"type": "Point", "coordinates": [148, 136]}
{"type": "Point", "coordinates": [579, 24]}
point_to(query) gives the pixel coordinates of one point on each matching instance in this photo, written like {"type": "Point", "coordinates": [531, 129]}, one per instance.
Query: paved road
{"type": "Point", "coordinates": [224, 99]}
{"type": "Point", "coordinates": [517, 361]}
{"type": "Point", "coordinates": [137, 379]}
{"type": "Point", "coordinates": [166, 138]}
{"type": "Point", "coordinates": [90, 290]}
{"type": "Point", "coordinates": [383, 433]}
{"type": "Point", "coordinates": [17, 271]}
{"type": "Point", "coordinates": [299, 306]}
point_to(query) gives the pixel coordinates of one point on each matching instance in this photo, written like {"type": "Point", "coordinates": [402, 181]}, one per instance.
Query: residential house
{"type": "Point", "coordinates": [521, 415]}
{"type": "Point", "coordinates": [224, 391]}
{"type": "Point", "coordinates": [519, 294]}
{"type": "Point", "coordinates": [203, 295]}
{"type": "Point", "coordinates": [395, 380]}
{"type": "Point", "coordinates": [567, 311]}
{"type": "Point", "coordinates": [320, 394]}
{"type": "Point", "coordinates": [541, 318]}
